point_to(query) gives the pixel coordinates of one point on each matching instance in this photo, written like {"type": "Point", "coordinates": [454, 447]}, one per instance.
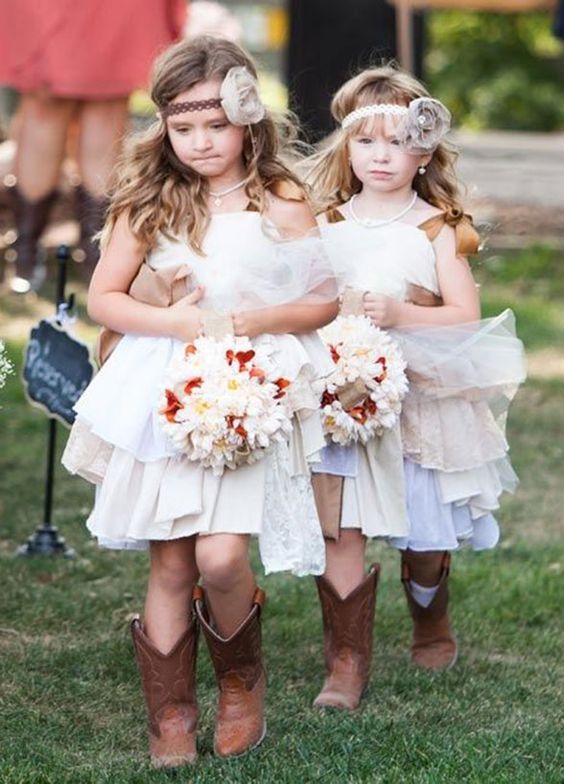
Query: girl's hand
{"type": "Point", "coordinates": [248, 324]}
{"type": "Point", "coordinates": [381, 310]}
{"type": "Point", "coordinates": [184, 316]}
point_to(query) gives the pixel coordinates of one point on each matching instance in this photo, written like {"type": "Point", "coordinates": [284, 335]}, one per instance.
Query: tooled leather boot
{"type": "Point", "coordinates": [31, 219]}
{"type": "Point", "coordinates": [169, 687]}
{"type": "Point", "coordinates": [348, 634]}
{"type": "Point", "coordinates": [237, 661]}
{"type": "Point", "coordinates": [91, 214]}
{"type": "Point", "coordinates": [433, 645]}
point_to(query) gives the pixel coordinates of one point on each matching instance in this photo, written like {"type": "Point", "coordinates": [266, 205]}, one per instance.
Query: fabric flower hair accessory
{"type": "Point", "coordinates": [240, 97]}
{"type": "Point", "coordinates": [426, 124]}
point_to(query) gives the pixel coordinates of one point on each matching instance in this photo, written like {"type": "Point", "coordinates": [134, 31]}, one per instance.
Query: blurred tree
{"type": "Point", "coordinates": [497, 70]}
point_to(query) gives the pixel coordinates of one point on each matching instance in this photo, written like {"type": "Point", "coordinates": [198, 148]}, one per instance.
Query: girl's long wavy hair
{"type": "Point", "coordinates": [328, 171]}
{"type": "Point", "coordinates": [161, 194]}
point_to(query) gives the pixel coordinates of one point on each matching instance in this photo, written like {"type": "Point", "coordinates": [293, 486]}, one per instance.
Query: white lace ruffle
{"type": "Point", "coordinates": [291, 537]}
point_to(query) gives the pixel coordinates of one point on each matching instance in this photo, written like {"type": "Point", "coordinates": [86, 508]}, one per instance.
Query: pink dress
{"type": "Point", "coordinates": [84, 48]}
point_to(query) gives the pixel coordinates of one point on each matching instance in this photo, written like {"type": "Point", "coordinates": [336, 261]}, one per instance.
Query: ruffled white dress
{"type": "Point", "coordinates": [145, 490]}
{"type": "Point", "coordinates": [462, 379]}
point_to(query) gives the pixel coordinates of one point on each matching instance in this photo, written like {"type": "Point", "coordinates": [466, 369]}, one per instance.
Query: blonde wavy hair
{"type": "Point", "coordinates": [156, 190]}
{"type": "Point", "coordinates": [328, 172]}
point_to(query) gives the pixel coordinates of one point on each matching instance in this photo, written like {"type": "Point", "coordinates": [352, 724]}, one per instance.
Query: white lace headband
{"type": "Point", "coordinates": [425, 122]}
{"type": "Point", "coordinates": [372, 111]}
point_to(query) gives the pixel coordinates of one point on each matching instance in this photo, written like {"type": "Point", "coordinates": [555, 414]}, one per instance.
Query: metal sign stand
{"type": "Point", "coordinates": [46, 539]}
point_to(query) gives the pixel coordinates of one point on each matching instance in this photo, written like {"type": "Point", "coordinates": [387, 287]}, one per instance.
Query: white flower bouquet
{"type": "Point", "coordinates": [223, 402]}
{"type": "Point", "coordinates": [6, 366]}
{"type": "Point", "coordinates": [362, 396]}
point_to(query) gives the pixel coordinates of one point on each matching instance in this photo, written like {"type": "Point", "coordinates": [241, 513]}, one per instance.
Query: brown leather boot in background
{"type": "Point", "coordinates": [31, 219]}
{"type": "Point", "coordinates": [169, 686]}
{"type": "Point", "coordinates": [348, 633]}
{"type": "Point", "coordinates": [237, 661]}
{"type": "Point", "coordinates": [433, 644]}
{"type": "Point", "coordinates": [91, 215]}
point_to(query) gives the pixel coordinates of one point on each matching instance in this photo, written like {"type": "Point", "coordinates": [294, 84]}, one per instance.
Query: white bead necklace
{"type": "Point", "coordinates": [371, 223]}
{"type": "Point", "coordinates": [218, 195]}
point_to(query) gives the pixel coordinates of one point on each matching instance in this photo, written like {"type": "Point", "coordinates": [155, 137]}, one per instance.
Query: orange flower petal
{"type": "Point", "coordinates": [192, 384]}
{"type": "Point", "coordinates": [173, 405]}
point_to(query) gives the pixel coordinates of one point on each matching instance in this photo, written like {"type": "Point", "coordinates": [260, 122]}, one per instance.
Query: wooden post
{"type": "Point", "coordinates": [404, 33]}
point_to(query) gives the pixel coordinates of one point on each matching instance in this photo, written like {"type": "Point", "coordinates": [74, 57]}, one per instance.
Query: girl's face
{"type": "Point", "coordinates": [205, 140]}
{"type": "Point", "coordinates": [378, 159]}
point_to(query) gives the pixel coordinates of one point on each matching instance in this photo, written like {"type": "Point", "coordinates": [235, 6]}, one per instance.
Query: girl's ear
{"type": "Point", "coordinates": [426, 160]}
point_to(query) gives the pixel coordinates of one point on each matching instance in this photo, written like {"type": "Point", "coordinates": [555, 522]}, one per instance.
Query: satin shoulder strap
{"type": "Point", "coordinates": [334, 216]}
{"type": "Point", "coordinates": [467, 238]}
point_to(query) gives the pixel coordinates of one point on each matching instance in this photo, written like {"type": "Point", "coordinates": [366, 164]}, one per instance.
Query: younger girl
{"type": "Point", "coordinates": [392, 217]}
{"type": "Point", "coordinates": [204, 198]}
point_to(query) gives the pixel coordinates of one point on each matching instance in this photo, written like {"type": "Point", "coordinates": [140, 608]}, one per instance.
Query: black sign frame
{"type": "Point", "coordinates": [50, 346]}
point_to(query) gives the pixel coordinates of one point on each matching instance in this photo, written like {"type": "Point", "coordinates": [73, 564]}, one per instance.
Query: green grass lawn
{"type": "Point", "coordinates": [70, 703]}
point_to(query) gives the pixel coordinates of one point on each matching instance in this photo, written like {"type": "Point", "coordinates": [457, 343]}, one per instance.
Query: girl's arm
{"type": "Point", "coordinates": [461, 301]}
{"type": "Point", "coordinates": [110, 305]}
{"type": "Point", "coordinates": [293, 219]}
{"type": "Point", "coordinates": [284, 319]}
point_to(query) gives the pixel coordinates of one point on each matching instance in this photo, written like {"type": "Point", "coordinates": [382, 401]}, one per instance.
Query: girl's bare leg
{"type": "Point", "coordinates": [223, 562]}
{"type": "Point", "coordinates": [425, 567]}
{"type": "Point", "coordinates": [171, 580]}
{"type": "Point", "coordinates": [345, 560]}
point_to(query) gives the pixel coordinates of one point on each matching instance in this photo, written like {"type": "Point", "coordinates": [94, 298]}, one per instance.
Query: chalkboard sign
{"type": "Point", "coordinates": [57, 369]}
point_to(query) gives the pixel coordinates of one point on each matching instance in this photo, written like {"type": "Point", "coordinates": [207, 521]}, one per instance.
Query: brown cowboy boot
{"type": "Point", "coordinates": [237, 661]}
{"type": "Point", "coordinates": [433, 644]}
{"type": "Point", "coordinates": [169, 686]}
{"type": "Point", "coordinates": [31, 219]}
{"type": "Point", "coordinates": [347, 631]}
{"type": "Point", "coordinates": [91, 214]}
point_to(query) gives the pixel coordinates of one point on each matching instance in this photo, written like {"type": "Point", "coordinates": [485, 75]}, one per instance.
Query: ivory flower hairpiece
{"type": "Point", "coordinates": [425, 122]}
{"type": "Point", "coordinates": [238, 97]}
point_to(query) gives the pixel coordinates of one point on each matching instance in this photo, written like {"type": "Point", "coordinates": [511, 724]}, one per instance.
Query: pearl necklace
{"type": "Point", "coordinates": [218, 195]}
{"type": "Point", "coordinates": [371, 223]}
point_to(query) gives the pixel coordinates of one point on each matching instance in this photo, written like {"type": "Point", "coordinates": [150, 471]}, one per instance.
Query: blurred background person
{"type": "Point", "coordinates": [330, 41]}
{"type": "Point", "coordinates": [73, 62]}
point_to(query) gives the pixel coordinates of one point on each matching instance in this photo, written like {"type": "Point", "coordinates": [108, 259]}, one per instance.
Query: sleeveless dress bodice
{"type": "Point", "coordinates": [233, 242]}
{"type": "Point", "coordinates": [385, 259]}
